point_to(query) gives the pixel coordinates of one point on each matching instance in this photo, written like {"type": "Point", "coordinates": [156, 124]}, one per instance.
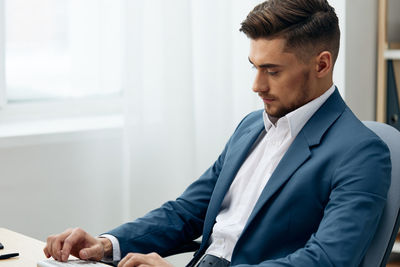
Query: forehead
{"type": "Point", "coordinates": [270, 51]}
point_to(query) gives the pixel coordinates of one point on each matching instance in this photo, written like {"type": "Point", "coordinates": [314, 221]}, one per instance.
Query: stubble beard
{"type": "Point", "coordinates": [303, 99]}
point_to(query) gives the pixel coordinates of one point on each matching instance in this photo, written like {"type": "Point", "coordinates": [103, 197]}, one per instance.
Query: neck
{"type": "Point", "coordinates": [323, 85]}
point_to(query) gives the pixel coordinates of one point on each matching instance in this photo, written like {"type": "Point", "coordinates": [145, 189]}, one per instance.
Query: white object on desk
{"type": "Point", "coordinates": [70, 263]}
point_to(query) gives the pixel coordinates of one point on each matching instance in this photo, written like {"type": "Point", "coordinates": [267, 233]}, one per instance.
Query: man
{"type": "Point", "coordinates": [301, 183]}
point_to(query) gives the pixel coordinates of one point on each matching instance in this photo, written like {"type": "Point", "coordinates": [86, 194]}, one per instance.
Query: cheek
{"type": "Point", "coordinates": [289, 90]}
{"type": "Point", "coordinates": [293, 80]}
{"type": "Point", "coordinates": [283, 87]}
{"type": "Point", "coordinates": [292, 83]}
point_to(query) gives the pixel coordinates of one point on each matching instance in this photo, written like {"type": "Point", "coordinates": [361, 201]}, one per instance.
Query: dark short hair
{"type": "Point", "coordinates": [308, 26]}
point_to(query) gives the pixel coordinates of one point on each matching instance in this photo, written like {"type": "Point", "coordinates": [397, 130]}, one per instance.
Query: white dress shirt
{"type": "Point", "coordinates": [251, 178]}
{"type": "Point", "coordinates": [254, 174]}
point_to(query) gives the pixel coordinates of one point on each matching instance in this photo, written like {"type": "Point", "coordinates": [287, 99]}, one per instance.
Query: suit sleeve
{"type": "Point", "coordinates": [357, 199]}
{"type": "Point", "coordinates": [174, 223]}
{"type": "Point", "coordinates": [177, 222]}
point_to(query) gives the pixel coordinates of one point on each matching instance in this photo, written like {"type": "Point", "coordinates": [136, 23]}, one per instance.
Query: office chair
{"type": "Point", "coordinates": [382, 243]}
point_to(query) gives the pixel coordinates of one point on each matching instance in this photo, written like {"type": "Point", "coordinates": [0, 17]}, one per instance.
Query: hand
{"type": "Point", "coordinates": [77, 243]}
{"type": "Point", "coordinates": [142, 260]}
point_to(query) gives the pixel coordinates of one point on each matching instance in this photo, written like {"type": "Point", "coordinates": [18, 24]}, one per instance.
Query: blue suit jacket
{"type": "Point", "coordinates": [320, 207]}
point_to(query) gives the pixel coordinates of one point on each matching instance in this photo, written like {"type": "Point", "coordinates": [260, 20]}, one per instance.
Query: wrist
{"type": "Point", "coordinates": [107, 247]}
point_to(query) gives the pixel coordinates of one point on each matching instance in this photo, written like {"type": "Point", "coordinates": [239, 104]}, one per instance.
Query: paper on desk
{"type": "Point", "coordinates": [70, 263]}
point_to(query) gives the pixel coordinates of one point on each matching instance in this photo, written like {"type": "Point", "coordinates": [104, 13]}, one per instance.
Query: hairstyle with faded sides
{"type": "Point", "coordinates": [308, 26]}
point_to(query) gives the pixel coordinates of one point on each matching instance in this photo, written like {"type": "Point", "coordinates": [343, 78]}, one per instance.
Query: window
{"type": "Point", "coordinates": [61, 50]}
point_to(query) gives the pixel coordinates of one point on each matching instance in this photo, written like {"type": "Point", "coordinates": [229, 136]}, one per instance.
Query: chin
{"type": "Point", "coordinates": [275, 113]}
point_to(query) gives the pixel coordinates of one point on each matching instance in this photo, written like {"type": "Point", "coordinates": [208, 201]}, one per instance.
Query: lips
{"type": "Point", "coordinates": [267, 99]}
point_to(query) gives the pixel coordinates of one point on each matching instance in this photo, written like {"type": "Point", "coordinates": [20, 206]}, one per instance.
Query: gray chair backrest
{"type": "Point", "coordinates": [382, 243]}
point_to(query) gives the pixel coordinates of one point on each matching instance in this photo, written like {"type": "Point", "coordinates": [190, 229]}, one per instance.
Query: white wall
{"type": "Point", "coordinates": [339, 73]}
{"type": "Point", "coordinates": [51, 182]}
{"type": "Point", "coordinates": [355, 70]}
{"type": "Point", "coordinates": [360, 57]}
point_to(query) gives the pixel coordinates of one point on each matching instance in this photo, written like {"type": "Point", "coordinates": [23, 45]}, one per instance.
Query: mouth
{"type": "Point", "coordinates": [267, 100]}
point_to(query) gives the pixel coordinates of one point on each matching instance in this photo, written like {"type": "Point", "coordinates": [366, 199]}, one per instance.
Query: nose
{"type": "Point", "coordinates": [260, 83]}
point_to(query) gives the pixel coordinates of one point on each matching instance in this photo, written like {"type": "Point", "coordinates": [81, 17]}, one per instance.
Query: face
{"type": "Point", "coordinates": [283, 82]}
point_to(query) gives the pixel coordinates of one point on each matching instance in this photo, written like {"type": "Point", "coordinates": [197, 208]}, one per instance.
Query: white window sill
{"type": "Point", "coordinates": [56, 130]}
{"type": "Point", "coordinates": [65, 125]}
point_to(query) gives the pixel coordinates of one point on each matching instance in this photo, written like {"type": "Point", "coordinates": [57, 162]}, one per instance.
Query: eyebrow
{"type": "Point", "coordinates": [266, 65]}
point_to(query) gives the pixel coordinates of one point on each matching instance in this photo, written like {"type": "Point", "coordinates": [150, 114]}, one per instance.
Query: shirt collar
{"type": "Point", "coordinates": [297, 118]}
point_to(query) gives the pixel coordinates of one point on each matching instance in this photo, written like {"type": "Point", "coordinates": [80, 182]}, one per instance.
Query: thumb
{"type": "Point", "coordinates": [92, 253]}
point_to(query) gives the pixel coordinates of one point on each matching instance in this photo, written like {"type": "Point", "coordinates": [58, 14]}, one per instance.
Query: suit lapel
{"type": "Point", "coordinates": [299, 151]}
{"type": "Point", "coordinates": [233, 161]}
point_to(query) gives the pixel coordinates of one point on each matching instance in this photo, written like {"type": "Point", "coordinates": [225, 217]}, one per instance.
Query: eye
{"type": "Point", "coordinates": [273, 73]}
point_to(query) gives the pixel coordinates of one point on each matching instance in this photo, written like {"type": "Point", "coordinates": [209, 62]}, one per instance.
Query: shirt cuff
{"type": "Point", "coordinates": [116, 255]}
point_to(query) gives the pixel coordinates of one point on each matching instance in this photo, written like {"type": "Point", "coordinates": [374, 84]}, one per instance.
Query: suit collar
{"type": "Point", "coordinates": [327, 114]}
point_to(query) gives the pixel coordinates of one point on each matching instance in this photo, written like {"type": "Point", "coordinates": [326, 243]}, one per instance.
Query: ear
{"type": "Point", "coordinates": [323, 64]}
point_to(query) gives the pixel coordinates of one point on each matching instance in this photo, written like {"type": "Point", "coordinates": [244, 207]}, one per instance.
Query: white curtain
{"type": "Point", "coordinates": [187, 85]}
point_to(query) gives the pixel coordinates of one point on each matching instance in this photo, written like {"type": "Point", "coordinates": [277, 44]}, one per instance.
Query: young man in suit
{"type": "Point", "coordinates": [301, 183]}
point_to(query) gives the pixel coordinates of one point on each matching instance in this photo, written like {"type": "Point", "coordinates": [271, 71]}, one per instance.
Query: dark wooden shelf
{"type": "Point", "coordinates": [394, 260]}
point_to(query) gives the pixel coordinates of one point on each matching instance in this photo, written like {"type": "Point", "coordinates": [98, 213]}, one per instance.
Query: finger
{"type": "Point", "coordinates": [124, 260]}
{"type": "Point", "coordinates": [56, 249]}
{"type": "Point", "coordinates": [140, 260]}
{"type": "Point", "coordinates": [92, 253]}
{"type": "Point", "coordinates": [55, 243]}
{"type": "Point", "coordinates": [48, 246]}
{"type": "Point", "coordinates": [70, 241]}
{"type": "Point", "coordinates": [46, 252]}
{"type": "Point", "coordinates": [48, 249]}
{"type": "Point", "coordinates": [132, 260]}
